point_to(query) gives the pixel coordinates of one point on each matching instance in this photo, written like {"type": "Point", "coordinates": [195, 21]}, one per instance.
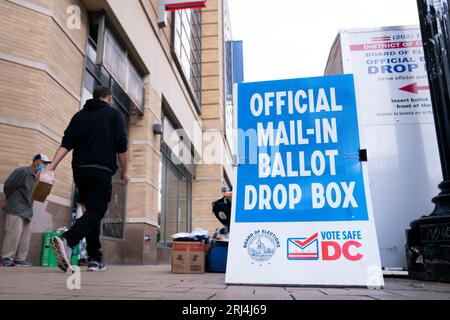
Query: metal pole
{"type": "Point", "coordinates": [428, 240]}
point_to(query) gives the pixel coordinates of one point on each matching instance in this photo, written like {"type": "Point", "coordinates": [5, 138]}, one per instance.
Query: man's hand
{"type": "Point", "coordinates": [38, 174]}
{"type": "Point", "coordinates": [125, 178]}
{"type": "Point", "coordinates": [123, 159]}
{"type": "Point", "coordinates": [48, 169]}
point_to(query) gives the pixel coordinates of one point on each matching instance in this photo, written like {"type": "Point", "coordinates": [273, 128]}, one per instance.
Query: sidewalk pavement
{"type": "Point", "coordinates": [158, 283]}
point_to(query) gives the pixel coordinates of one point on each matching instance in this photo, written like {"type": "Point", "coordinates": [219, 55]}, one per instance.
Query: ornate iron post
{"type": "Point", "coordinates": [428, 240]}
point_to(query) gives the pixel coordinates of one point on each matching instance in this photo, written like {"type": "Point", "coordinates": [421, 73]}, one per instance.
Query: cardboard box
{"type": "Point", "coordinates": [43, 186]}
{"type": "Point", "coordinates": [188, 257]}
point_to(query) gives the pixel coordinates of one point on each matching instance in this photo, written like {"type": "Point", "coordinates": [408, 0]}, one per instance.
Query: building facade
{"type": "Point", "coordinates": [170, 77]}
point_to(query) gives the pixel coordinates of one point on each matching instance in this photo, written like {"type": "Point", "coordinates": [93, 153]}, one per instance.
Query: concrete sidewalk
{"type": "Point", "coordinates": [157, 282]}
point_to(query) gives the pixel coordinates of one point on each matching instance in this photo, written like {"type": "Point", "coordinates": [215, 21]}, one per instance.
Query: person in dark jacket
{"type": "Point", "coordinates": [97, 136]}
{"type": "Point", "coordinates": [19, 212]}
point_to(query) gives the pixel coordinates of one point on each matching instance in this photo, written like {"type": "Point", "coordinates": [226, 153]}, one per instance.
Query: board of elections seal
{"type": "Point", "coordinates": [261, 245]}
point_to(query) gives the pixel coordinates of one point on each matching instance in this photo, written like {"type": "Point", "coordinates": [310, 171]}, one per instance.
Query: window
{"type": "Point", "coordinates": [174, 200]}
{"type": "Point", "coordinates": [115, 58]}
{"type": "Point", "coordinates": [118, 63]}
{"type": "Point", "coordinates": [228, 81]}
{"type": "Point", "coordinates": [229, 103]}
{"type": "Point", "coordinates": [186, 47]}
{"type": "Point", "coordinates": [175, 185]}
{"type": "Point", "coordinates": [109, 59]}
{"type": "Point", "coordinates": [114, 222]}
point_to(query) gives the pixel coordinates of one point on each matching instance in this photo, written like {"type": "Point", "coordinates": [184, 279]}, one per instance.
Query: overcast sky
{"type": "Point", "coordinates": [292, 38]}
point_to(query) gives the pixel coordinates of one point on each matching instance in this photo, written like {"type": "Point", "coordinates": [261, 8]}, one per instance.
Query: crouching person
{"type": "Point", "coordinates": [19, 212]}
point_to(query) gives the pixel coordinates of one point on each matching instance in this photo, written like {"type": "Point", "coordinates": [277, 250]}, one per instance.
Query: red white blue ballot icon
{"type": "Point", "coordinates": [303, 248]}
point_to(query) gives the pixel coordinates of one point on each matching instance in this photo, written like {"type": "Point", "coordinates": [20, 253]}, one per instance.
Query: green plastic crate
{"type": "Point", "coordinates": [75, 252]}
{"type": "Point", "coordinates": [48, 258]}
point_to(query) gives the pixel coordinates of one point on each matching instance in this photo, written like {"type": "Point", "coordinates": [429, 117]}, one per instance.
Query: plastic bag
{"type": "Point", "coordinates": [197, 234]}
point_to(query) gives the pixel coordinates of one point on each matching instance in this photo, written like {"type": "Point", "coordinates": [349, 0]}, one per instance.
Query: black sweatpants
{"type": "Point", "coordinates": [94, 189]}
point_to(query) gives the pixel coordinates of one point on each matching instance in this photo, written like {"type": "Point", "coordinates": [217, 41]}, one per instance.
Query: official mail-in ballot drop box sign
{"type": "Point", "coordinates": [301, 208]}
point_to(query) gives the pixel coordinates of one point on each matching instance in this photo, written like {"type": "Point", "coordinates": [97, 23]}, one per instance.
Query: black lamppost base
{"type": "Point", "coordinates": [428, 242]}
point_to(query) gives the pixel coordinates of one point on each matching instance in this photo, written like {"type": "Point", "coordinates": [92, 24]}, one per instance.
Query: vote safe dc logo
{"type": "Point", "coordinates": [332, 246]}
{"type": "Point", "coordinates": [261, 245]}
{"type": "Point", "coordinates": [303, 248]}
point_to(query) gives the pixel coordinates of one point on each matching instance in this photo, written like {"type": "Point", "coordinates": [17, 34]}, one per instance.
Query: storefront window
{"type": "Point", "coordinates": [175, 183]}
{"type": "Point", "coordinates": [183, 204]}
{"type": "Point", "coordinates": [114, 222]}
{"type": "Point", "coordinates": [175, 203]}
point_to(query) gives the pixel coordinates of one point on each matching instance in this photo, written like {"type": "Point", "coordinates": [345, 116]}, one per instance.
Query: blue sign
{"type": "Point", "coordinates": [298, 145]}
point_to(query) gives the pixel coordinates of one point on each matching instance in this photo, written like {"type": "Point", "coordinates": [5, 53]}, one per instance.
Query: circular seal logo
{"type": "Point", "coordinates": [261, 245]}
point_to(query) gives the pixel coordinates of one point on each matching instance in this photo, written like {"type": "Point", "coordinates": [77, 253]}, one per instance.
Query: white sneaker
{"type": "Point", "coordinates": [96, 266]}
{"type": "Point", "coordinates": [63, 253]}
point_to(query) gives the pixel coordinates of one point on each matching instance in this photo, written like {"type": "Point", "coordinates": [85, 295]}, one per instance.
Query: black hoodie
{"type": "Point", "coordinates": [96, 134]}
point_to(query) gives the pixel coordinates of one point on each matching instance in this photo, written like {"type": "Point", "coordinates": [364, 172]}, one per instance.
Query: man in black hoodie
{"type": "Point", "coordinates": [97, 136]}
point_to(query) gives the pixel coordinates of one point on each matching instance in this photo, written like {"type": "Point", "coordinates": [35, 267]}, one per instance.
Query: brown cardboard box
{"type": "Point", "coordinates": [188, 257]}
{"type": "Point", "coordinates": [43, 186]}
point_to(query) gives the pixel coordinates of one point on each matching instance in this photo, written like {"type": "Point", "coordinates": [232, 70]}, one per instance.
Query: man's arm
{"type": "Point", "coordinates": [121, 144]}
{"type": "Point", "coordinates": [123, 160]}
{"type": "Point", "coordinates": [67, 144]}
{"type": "Point", "coordinates": [59, 156]}
{"type": "Point", "coordinates": [13, 181]}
